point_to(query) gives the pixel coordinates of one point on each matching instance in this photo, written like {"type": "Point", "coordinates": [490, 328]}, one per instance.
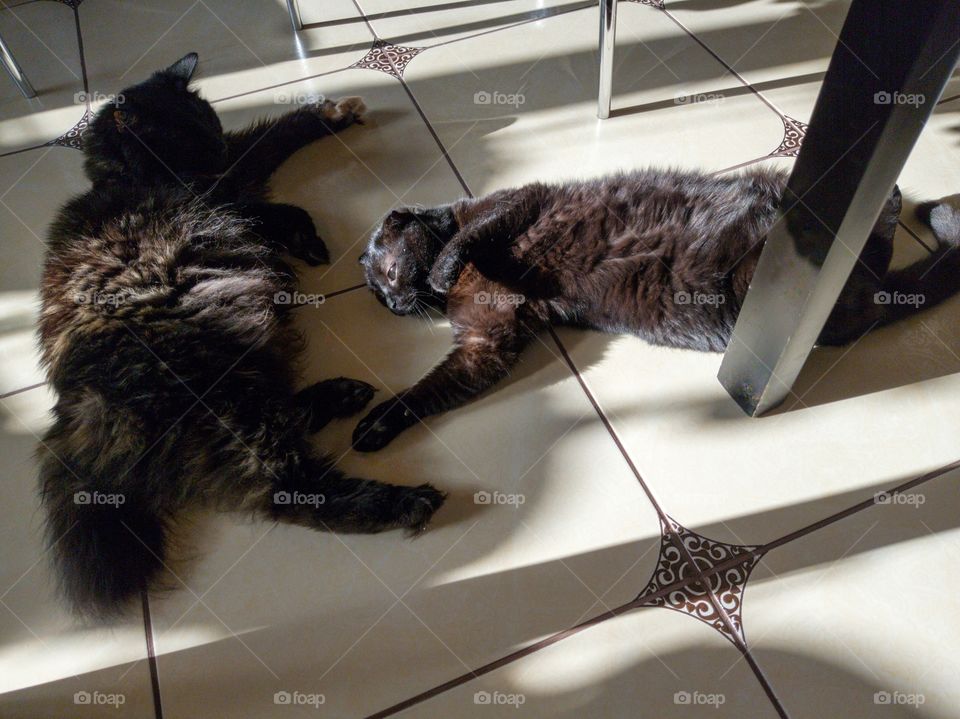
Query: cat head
{"type": "Point", "coordinates": [401, 252]}
{"type": "Point", "coordinates": [156, 131]}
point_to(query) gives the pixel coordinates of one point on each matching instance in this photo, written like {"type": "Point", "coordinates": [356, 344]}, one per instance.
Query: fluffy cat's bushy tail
{"type": "Point", "coordinates": [933, 279]}
{"type": "Point", "coordinates": [106, 549]}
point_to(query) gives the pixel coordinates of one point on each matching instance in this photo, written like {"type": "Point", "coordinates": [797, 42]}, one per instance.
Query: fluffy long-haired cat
{"type": "Point", "coordinates": [165, 333]}
{"type": "Point", "coordinates": [664, 255]}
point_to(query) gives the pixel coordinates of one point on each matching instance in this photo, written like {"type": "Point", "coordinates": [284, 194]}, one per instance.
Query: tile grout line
{"type": "Point", "coordinates": [822, 523]}
{"type": "Point", "coordinates": [914, 235]}
{"type": "Point", "coordinates": [503, 661]}
{"type": "Point", "coordinates": [764, 682]}
{"type": "Point", "coordinates": [416, 105]}
{"type": "Point", "coordinates": [674, 538]}
{"type": "Point", "coordinates": [12, 393]}
{"type": "Point", "coordinates": [607, 425]}
{"type": "Point", "coordinates": [337, 293]}
{"type": "Point", "coordinates": [279, 84]}
{"type": "Point", "coordinates": [729, 69]}
{"type": "Point", "coordinates": [83, 56]}
{"type": "Point", "coordinates": [436, 138]}
{"type": "Point", "coordinates": [642, 602]}
{"type": "Point", "coordinates": [151, 656]}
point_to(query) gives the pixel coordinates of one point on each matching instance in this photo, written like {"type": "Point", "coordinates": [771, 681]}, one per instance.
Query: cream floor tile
{"type": "Point", "coordinates": [242, 46]}
{"type": "Point", "coordinates": [770, 43]}
{"type": "Point", "coordinates": [853, 431]}
{"type": "Point", "coordinates": [424, 23]}
{"type": "Point", "coordinates": [43, 38]}
{"type": "Point", "coordinates": [319, 614]}
{"type": "Point", "coordinates": [675, 102]}
{"type": "Point", "coordinates": [859, 619]}
{"type": "Point", "coordinates": [34, 185]}
{"type": "Point", "coordinates": [647, 663]}
{"type": "Point", "coordinates": [46, 657]}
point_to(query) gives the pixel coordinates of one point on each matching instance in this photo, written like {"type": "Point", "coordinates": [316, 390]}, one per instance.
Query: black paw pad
{"type": "Point", "coordinates": [352, 395]}
{"type": "Point", "coordinates": [417, 506]}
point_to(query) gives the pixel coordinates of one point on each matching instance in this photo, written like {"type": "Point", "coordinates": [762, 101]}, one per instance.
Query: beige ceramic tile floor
{"type": "Point", "coordinates": [618, 586]}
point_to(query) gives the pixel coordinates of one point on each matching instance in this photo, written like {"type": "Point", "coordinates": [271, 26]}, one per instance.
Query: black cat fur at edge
{"type": "Point", "coordinates": [170, 354]}
{"type": "Point", "coordinates": [661, 254]}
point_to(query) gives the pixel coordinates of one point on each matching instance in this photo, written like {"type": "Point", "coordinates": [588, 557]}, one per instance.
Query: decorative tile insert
{"type": "Point", "coordinates": [793, 133]}
{"type": "Point", "coordinates": [698, 555]}
{"type": "Point", "coordinates": [73, 138]}
{"type": "Point", "coordinates": [391, 59]}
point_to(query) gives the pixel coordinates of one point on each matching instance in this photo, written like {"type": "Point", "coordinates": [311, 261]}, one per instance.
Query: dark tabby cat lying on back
{"type": "Point", "coordinates": [163, 336]}
{"type": "Point", "coordinates": [665, 255]}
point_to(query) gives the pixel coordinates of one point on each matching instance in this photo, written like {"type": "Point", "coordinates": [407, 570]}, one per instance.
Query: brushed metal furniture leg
{"type": "Point", "coordinates": [608, 39]}
{"type": "Point", "coordinates": [891, 64]}
{"type": "Point", "coordinates": [12, 67]}
{"type": "Point", "coordinates": [293, 8]}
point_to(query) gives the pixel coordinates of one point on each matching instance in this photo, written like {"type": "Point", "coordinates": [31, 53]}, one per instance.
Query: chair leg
{"type": "Point", "coordinates": [12, 67]}
{"type": "Point", "coordinates": [294, 9]}
{"type": "Point", "coordinates": [891, 63]}
{"type": "Point", "coordinates": [608, 39]}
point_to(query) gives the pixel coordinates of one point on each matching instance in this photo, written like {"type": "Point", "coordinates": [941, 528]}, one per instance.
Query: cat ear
{"type": "Point", "coordinates": [184, 68]}
{"type": "Point", "coordinates": [400, 216]}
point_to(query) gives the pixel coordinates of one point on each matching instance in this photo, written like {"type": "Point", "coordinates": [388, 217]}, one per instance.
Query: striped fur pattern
{"type": "Point", "coordinates": [171, 357]}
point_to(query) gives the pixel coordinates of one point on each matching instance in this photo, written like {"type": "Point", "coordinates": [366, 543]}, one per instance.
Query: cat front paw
{"type": "Point", "coordinates": [351, 107]}
{"type": "Point", "coordinates": [307, 245]}
{"type": "Point", "coordinates": [417, 506]}
{"type": "Point", "coordinates": [444, 273]}
{"type": "Point", "coordinates": [339, 114]}
{"type": "Point", "coordinates": [350, 395]}
{"type": "Point", "coordinates": [382, 424]}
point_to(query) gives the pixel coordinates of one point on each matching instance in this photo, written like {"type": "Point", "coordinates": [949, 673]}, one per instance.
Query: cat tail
{"type": "Point", "coordinates": [933, 279]}
{"type": "Point", "coordinates": [105, 548]}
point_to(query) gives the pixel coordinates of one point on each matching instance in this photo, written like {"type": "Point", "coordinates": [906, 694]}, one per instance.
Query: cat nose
{"type": "Point", "coordinates": [391, 303]}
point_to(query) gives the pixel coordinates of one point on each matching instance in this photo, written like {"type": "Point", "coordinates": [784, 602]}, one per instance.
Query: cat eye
{"type": "Point", "coordinates": [392, 272]}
